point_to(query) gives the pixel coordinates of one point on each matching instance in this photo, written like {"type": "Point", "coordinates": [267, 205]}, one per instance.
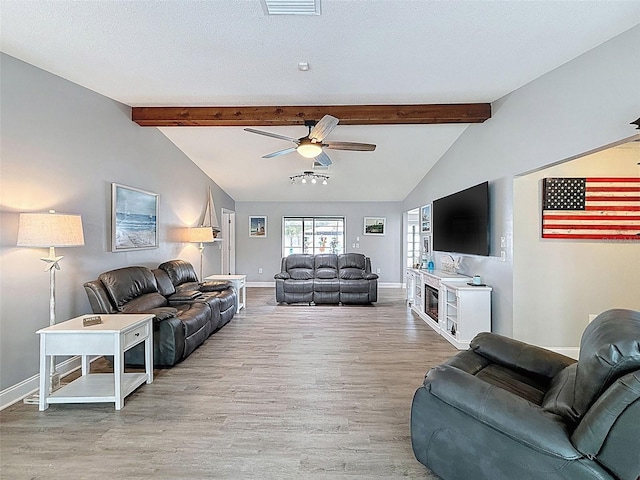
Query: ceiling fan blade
{"type": "Point", "coordinates": [360, 147]}
{"type": "Point", "coordinates": [322, 159]}
{"type": "Point", "coordinates": [269, 134]}
{"type": "Point", "coordinates": [279, 152]}
{"type": "Point", "coordinates": [323, 128]}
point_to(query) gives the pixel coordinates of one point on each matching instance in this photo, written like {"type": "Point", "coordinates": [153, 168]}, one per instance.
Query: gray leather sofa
{"type": "Point", "coordinates": [326, 278]}
{"type": "Point", "coordinates": [508, 410]}
{"type": "Point", "coordinates": [183, 320]}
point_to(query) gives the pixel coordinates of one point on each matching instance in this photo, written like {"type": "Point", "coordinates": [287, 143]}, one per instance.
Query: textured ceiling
{"type": "Point", "coordinates": [163, 53]}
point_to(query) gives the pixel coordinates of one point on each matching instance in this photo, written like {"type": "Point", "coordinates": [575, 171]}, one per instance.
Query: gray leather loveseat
{"type": "Point", "coordinates": [506, 410]}
{"type": "Point", "coordinates": [326, 278]}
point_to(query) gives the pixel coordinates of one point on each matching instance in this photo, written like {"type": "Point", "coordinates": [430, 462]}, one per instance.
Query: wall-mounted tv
{"type": "Point", "coordinates": [461, 221]}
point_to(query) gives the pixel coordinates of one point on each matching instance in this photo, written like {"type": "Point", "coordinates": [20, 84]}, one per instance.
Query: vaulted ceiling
{"type": "Point", "coordinates": [360, 52]}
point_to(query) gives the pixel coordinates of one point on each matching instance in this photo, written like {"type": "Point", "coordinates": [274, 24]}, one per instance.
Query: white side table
{"type": "Point", "coordinates": [239, 283]}
{"type": "Point", "coordinates": [114, 336]}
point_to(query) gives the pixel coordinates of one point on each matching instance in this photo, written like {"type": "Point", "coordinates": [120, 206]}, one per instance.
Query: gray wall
{"type": "Point", "coordinates": [577, 108]}
{"type": "Point", "coordinates": [265, 253]}
{"type": "Point", "coordinates": [579, 277]}
{"type": "Point", "coordinates": [61, 147]}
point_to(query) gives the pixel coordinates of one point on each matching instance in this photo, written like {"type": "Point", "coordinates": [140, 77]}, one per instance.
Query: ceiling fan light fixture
{"type": "Point", "coordinates": [308, 149]}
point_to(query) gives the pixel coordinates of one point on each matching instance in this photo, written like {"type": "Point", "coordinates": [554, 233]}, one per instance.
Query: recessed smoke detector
{"type": "Point", "coordinates": [291, 7]}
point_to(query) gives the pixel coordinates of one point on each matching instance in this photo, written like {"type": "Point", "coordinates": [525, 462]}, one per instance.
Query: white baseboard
{"type": "Point", "coordinates": [572, 352]}
{"type": "Point", "coordinates": [390, 285]}
{"type": "Point", "coordinates": [28, 387]}
{"type": "Point", "coordinates": [261, 284]}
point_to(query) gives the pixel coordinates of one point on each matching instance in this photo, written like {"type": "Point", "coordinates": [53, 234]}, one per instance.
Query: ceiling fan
{"type": "Point", "coordinates": [311, 146]}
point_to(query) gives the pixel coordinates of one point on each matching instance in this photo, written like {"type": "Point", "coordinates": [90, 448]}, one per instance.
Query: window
{"type": "Point", "coordinates": [312, 235]}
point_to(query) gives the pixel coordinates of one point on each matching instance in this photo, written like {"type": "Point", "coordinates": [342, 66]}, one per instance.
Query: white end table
{"type": "Point", "coordinates": [239, 283]}
{"type": "Point", "coordinates": [114, 336]}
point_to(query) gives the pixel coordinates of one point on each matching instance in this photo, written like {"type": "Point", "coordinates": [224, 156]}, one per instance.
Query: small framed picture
{"type": "Point", "coordinates": [258, 226]}
{"type": "Point", "coordinates": [374, 225]}
{"type": "Point", "coordinates": [426, 245]}
{"type": "Point", "coordinates": [425, 219]}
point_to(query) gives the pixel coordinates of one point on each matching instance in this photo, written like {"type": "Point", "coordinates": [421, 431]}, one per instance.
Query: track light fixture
{"type": "Point", "coordinates": [309, 176]}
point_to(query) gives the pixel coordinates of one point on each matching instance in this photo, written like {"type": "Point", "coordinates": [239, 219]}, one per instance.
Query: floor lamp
{"type": "Point", "coordinates": [51, 230]}
{"type": "Point", "coordinates": [201, 235]}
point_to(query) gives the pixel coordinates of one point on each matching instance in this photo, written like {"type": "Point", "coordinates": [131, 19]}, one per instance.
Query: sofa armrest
{"type": "Point", "coordinates": [519, 356]}
{"type": "Point", "coordinates": [184, 296]}
{"type": "Point", "coordinates": [501, 410]}
{"type": "Point", "coordinates": [162, 313]}
{"type": "Point", "coordinates": [282, 276]}
{"type": "Point", "coordinates": [215, 286]}
{"type": "Point", "coordinates": [370, 276]}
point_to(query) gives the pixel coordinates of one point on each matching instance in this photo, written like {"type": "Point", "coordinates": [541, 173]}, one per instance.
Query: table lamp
{"type": "Point", "coordinates": [201, 235]}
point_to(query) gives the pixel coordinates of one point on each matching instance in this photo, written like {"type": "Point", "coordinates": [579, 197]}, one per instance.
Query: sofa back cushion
{"type": "Point", "coordinates": [326, 265]}
{"type": "Point", "coordinates": [610, 348]}
{"type": "Point", "coordinates": [352, 266]}
{"type": "Point", "coordinates": [299, 266]}
{"type": "Point", "coordinates": [609, 430]}
{"type": "Point", "coordinates": [165, 285]}
{"type": "Point", "coordinates": [352, 260]}
{"type": "Point", "coordinates": [125, 284]}
{"type": "Point", "coordinates": [179, 271]}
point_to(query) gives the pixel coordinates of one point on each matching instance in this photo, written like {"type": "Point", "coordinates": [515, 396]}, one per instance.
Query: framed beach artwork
{"type": "Point", "coordinates": [374, 225]}
{"type": "Point", "coordinates": [258, 226]}
{"type": "Point", "coordinates": [134, 219]}
{"type": "Point", "coordinates": [425, 219]}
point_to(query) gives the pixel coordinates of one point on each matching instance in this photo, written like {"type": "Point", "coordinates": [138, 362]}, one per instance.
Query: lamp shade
{"type": "Point", "coordinates": [50, 230]}
{"type": "Point", "coordinates": [201, 234]}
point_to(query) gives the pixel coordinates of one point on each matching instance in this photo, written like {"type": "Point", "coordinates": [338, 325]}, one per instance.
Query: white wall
{"type": "Point", "coordinates": [558, 283]}
{"type": "Point", "coordinates": [577, 108]}
{"type": "Point", "coordinates": [61, 147]}
{"type": "Point", "coordinates": [385, 251]}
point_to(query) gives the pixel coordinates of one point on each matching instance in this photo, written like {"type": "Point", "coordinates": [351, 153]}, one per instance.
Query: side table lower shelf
{"type": "Point", "coordinates": [96, 388]}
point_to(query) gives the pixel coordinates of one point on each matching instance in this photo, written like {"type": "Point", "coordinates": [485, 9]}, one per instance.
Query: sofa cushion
{"type": "Point", "coordinates": [610, 347]}
{"type": "Point", "coordinates": [298, 260]}
{"type": "Point", "coordinates": [144, 303]}
{"type": "Point", "coordinates": [325, 260]}
{"type": "Point", "coordinates": [125, 284]}
{"type": "Point", "coordinates": [165, 286]}
{"type": "Point", "coordinates": [559, 396]}
{"type": "Point", "coordinates": [351, 274]}
{"type": "Point", "coordinates": [301, 274]}
{"type": "Point", "coordinates": [352, 260]}
{"type": "Point", "coordinates": [326, 273]}
{"type": "Point", "coordinates": [179, 271]}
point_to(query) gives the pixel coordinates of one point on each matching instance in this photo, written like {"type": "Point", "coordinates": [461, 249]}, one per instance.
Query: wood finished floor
{"type": "Point", "coordinates": [282, 392]}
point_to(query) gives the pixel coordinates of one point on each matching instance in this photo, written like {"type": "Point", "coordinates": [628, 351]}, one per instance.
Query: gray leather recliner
{"type": "Point", "coordinates": [508, 410]}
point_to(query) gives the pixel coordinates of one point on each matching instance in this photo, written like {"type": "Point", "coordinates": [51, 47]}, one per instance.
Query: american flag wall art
{"type": "Point", "coordinates": [592, 208]}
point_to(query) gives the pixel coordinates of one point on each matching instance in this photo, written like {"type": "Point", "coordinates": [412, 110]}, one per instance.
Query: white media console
{"type": "Point", "coordinates": [448, 304]}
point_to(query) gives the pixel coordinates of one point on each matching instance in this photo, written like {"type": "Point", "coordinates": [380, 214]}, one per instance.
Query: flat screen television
{"type": "Point", "coordinates": [461, 221]}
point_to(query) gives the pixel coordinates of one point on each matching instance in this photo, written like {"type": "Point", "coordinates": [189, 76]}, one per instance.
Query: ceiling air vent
{"type": "Point", "coordinates": [291, 7]}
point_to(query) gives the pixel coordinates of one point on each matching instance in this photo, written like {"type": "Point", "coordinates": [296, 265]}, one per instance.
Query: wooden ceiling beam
{"type": "Point", "coordinates": [293, 115]}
